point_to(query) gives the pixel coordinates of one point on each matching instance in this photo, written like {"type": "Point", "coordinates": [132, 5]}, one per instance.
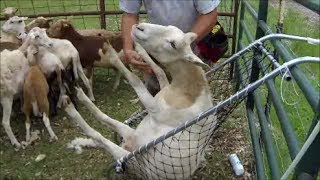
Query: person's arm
{"type": "Point", "coordinates": [129, 18]}
{"type": "Point", "coordinates": [204, 24]}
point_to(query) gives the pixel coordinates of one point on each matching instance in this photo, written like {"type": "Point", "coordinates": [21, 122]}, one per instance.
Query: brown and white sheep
{"type": "Point", "coordinates": [87, 46]}
{"type": "Point", "coordinates": [35, 94]}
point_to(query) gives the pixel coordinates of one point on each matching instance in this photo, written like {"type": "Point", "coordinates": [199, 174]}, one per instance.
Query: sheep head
{"type": "Point", "coordinates": [38, 37]}
{"type": "Point", "coordinates": [59, 28]}
{"type": "Point", "coordinates": [15, 25]}
{"type": "Point", "coordinates": [9, 12]}
{"type": "Point", "coordinates": [166, 43]}
{"type": "Point", "coordinates": [40, 22]}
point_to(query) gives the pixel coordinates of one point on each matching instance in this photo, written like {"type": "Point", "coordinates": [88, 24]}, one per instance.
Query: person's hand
{"type": "Point", "coordinates": [132, 57]}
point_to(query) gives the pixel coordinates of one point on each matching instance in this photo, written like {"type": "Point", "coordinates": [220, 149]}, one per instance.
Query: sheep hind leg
{"type": "Point", "coordinates": [46, 122]}
{"type": "Point", "coordinates": [117, 81]}
{"type": "Point", "coordinates": [115, 150]}
{"type": "Point", "coordinates": [160, 74]}
{"type": "Point", "coordinates": [28, 135]}
{"type": "Point", "coordinates": [7, 107]}
{"type": "Point", "coordinates": [124, 130]}
{"type": "Point", "coordinates": [86, 82]}
{"type": "Point", "coordinates": [61, 87]}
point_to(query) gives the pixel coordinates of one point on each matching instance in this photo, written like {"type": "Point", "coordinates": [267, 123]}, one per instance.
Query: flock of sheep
{"type": "Point", "coordinates": [46, 57]}
{"type": "Point", "coordinates": [42, 61]}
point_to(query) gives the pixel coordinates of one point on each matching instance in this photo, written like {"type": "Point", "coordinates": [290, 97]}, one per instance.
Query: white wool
{"type": "Point", "coordinates": [79, 142]}
{"type": "Point", "coordinates": [14, 67]}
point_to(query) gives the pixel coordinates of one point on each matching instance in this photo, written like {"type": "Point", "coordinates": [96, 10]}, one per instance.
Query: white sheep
{"type": "Point", "coordinates": [184, 98]}
{"type": "Point", "coordinates": [13, 30]}
{"type": "Point", "coordinates": [9, 12]}
{"type": "Point", "coordinates": [67, 54]}
{"type": "Point", "coordinates": [47, 61]}
{"type": "Point", "coordinates": [14, 67]}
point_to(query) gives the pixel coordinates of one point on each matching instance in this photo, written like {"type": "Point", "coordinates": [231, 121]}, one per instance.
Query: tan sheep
{"type": "Point", "coordinates": [35, 91]}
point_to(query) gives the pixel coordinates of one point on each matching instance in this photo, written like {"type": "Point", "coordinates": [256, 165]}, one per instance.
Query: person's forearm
{"type": "Point", "coordinates": [204, 24]}
{"type": "Point", "coordinates": [128, 20]}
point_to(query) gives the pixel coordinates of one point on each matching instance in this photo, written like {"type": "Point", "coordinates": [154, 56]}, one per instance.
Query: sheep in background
{"type": "Point", "coordinates": [87, 46]}
{"type": "Point", "coordinates": [9, 12]}
{"type": "Point", "coordinates": [68, 56]}
{"type": "Point", "coordinates": [40, 22]}
{"type": "Point", "coordinates": [35, 91]}
{"type": "Point", "coordinates": [13, 30]}
{"type": "Point", "coordinates": [114, 38]}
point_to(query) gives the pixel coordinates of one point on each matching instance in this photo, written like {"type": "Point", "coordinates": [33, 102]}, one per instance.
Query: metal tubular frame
{"type": "Point", "coordinates": [311, 94]}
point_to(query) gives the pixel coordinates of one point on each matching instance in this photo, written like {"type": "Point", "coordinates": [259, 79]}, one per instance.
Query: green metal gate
{"type": "Point", "coordinates": [271, 162]}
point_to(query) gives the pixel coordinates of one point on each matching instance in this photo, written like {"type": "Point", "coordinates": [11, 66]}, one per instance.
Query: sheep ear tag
{"type": "Point", "coordinates": [65, 25]}
{"type": "Point", "coordinates": [197, 61]}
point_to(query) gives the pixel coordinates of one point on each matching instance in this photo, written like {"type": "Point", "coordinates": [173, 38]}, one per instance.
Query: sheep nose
{"type": "Point", "coordinates": [50, 44]}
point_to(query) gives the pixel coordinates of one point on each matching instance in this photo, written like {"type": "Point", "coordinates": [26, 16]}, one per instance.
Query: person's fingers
{"type": "Point", "coordinates": [137, 56]}
{"type": "Point", "coordinates": [138, 63]}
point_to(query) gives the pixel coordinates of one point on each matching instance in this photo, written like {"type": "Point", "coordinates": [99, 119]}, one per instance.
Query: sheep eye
{"type": "Point", "coordinates": [11, 22]}
{"type": "Point", "coordinates": [20, 21]}
{"type": "Point", "coordinates": [37, 36]}
{"type": "Point", "coordinates": [173, 45]}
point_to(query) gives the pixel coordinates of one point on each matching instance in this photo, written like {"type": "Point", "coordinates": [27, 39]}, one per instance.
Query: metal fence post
{"type": "Point", "coordinates": [309, 165]}
{"type": "Point", "coordinates": [102, 15]}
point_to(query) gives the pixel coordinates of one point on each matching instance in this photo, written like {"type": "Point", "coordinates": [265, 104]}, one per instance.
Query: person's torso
{"type": "Point", "coordinates": [179, 13]}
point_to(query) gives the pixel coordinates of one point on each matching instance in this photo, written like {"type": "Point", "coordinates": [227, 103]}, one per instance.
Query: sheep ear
{"type": "Point", "coordinates": [24, 18]}
{"type": "Point", "coordinates": [50, 21]}
{"type": "Point", "coordinates": [196, 60]}
{"type": "Point", "coordinates": [190, 37]}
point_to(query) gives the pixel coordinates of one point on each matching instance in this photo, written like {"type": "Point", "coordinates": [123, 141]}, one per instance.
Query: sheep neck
{"type": "Point", "coordinates": [188, 82]}
{"type": "Point", "coordinates": [25, 45]}
{"type": "Point", "coordinates": [71, 34]}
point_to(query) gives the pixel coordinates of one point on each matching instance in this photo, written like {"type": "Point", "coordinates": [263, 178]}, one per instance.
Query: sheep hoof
{"type": "Point", "coordinates": [24, 144]}
{"type": "Point", "coordinates": [17, 146]}
{"type": "Point", "coordinates": [92, 99]}
{"type": "Point", "coordinates": [54, 138]}
{"type": "Point", "coordinates": [65, 101]}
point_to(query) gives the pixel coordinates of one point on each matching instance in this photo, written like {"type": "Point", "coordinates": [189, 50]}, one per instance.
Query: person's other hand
{"type": "Point", "coordinates": [132, 57]}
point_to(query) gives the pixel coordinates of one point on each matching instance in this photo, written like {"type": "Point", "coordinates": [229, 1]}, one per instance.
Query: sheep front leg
{"type": "Point", "coordinates": [28, 124]}
{"type": "Point", "coordinates": [160, 74]}
{"type": "Point", "coordinates": [7, 107]}
{"type": "Point", "coordinates": [144, 95]}
{"type": "Point", "coordinates": [124, 130]}
{"type": "Point", "coordinates": [61, 87]}
{"type": "Point", "coordinates": [87, 83]}
{"type": "Point", "coordinates": [115, 150]}
{"type": "Point", "coordinates": [46, 122]}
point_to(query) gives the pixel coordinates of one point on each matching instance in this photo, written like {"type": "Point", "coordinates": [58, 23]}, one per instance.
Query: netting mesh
{"type": "Point", "coordinates": [180, 155]}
